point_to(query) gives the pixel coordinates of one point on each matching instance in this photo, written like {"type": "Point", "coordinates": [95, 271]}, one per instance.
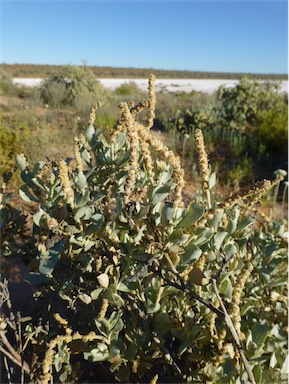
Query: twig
{"type": "Point", "coordinates": [224, 314]}
{"type": "Point", "coordinates": [21, 346]}
{"type": "Point", "coordinates": [225, 262]}
{"type": "Point", "coordinates": [5, 296]}
{"type": "Point", "coordinates": [16, 357]}
{"type": "Point", "coordinates": [185, 289]}
{"type": "Point", "coordinates": [168, 356]}
{"type": "Point", "coordinates": [234, 334]}
{"type": "Point", "coordinates": [12, 358]}
{"type": "Point", "coordinates": [8, 370]}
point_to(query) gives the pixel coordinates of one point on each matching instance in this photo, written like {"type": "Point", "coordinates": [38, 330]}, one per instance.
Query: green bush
{"type": "Point", "coordinates": [238, 106]}
{"type": "Point", "coordinates": [146, 288]}
{"type": "Point", "coordinates": [12, 140]}
{"type": "Point", "coordinates": [249, 120]}
{"type": "Point", "coordinates": [54, 93]}
{"type": "Point", "coordinates": [127, 89]}
{"type": "Point", "coordinates": [6, 83]}
{"type": "Point", "coordinates": [69, 85]}
{"type": "Point", "coordinates": [272, 128]}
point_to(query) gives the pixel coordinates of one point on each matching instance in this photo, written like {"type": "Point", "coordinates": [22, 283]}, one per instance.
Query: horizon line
{"type": "Point", "coordinates": [152, 68]}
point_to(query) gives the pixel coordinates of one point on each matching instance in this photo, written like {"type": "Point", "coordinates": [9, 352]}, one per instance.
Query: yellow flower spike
{"type": "Point", "coordinates": [77, 155]}
{"type": "Point", "coordinates": [148, 159]}
{"type": "Point", "coordinates": [46, 170]}
{"type": "Point", "coordinates": [103, 309]}
{"type": "Point", "coordinates": [256, 193]}
{"type": "Point", "coordinates": [154, 380]}
{"type": "Point", "coordinates": [141, 141]}
{"type": "Point", "coordinates": [93, 109]}
{"type": "Point", "coordinates": [221, 339]}
{"type": "Point", "coordinates": [212, 321]}
{"type": "Point", "coordinates": [60, 319]}
{"type": "Point", "coordinates": [49, 355]}
{"type": "Point", "coordinates": [173, 160]}
{"type": "Point", "coordinates": [63, 173]}
{"type": "Point", "coordinates": [151, 101]}
{"type": "Point", "coordinates": [203, 163]}
{"type": "Point", "coordinates": [203, 158]}
{"type": "Point", "coordinates": [236, 299]}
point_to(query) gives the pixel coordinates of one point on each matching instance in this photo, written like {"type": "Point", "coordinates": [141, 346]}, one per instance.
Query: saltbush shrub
{"type": "Point", "coordinates": [127, 89]}
{"type": "Point", "coordinates": [259, 110]}
{"type": "Point", "coordinates": [69, 85]}
{"type": "Point", "coordinates": [6, 83]}
{"type": "Point", "coordinates": [248, 120]}
{"type": "Point", "coordinates": [272, 128]}
{"type": "Point", "coordinates": [13, 138]}
{"type": "Point", "coordinates": [147, 288]}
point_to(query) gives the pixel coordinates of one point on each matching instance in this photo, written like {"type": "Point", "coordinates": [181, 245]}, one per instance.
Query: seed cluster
{"type": "Point", "coordinates": [246, 200]}
{"type": "Point", "coordinates": [45, 172]}
{"type": "Point", "coordinates": [142, 142]}
{"type": "Point", "coordinates": [253, 195]}
{"type": "Point", "coordinates": [103, 309]}
{"type": "Point", "coordinates": [236, 299]}
{"type": "Point", "coordinates": [48, 359]}
{"type": "Point", "coordinates": [92, 114]}
{"type": "Point", "coordinates": [65, 182]}
{"type": "Point", "coordinates": [212, 321]}
{"type": "Point", "coordinates": [154, 380]}
{"type": "Point", "coordinates": [77, 155]}
{"type": "Point", "coordinates": [202, 158]}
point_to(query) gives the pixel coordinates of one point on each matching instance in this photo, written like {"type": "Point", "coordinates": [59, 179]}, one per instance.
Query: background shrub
{"type": "Point", "coordinates": [13, 139]}
{"type": "Point", "coordinates": [6, 83]}
{"type": "Point", "coordinates": [70, 85]}
{"type": "Point", "coordinates": [127, 89]}
{"type": "Point", "coordinates": [272, 127]}
{"type": "Point", "coordinates": [250, 121]}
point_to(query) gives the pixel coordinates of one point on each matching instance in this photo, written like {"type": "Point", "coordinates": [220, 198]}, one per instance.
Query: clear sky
{"type": "Point", "coordinates": [223, 36]}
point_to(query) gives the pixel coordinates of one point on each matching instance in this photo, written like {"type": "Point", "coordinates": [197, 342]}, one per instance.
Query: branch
{"type": "Point", "coordinates": [167, 354]}
{"type": "Point", "coordinates": [191, 293]}
{"type": "Point", "coordinates": [224, 314]}
{"type": "Point", "coordinates": [13, 355]}
{"type": "Point", "coordinates": [16, 361]}
{"type": "Point", "coordinates": [234, 334]}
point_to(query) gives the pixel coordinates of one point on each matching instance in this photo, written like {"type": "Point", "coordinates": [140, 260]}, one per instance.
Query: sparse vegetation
{"type": "Point", "coordinates": [44, 71]}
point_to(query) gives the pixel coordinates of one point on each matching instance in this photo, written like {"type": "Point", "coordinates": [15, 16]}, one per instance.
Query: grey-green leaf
{"type": "Point", "coordinates": [26, 195]}
{"type": "Point", "coordinates": [212, 180]}
{"type": "Point", "coordinates": [83, 213]}
{"type": "Point", "coordinates": [219, 238]}
{"type": "Point", "coordinates": [160, 193]}
{"type": "Point", "coordinates": [81, 181]}
{"type": "Point", "coordinates": [194, 214]}
{"type": "Point", "coordinates": [48, 263]}
{"type": "Point", "coordinates": [192, 253]}
{"type": "Point", "coordinates": [120, 141]}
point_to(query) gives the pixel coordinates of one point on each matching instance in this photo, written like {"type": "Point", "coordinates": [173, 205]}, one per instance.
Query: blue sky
{"type": "Point", "coordinates": [223, 36]}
